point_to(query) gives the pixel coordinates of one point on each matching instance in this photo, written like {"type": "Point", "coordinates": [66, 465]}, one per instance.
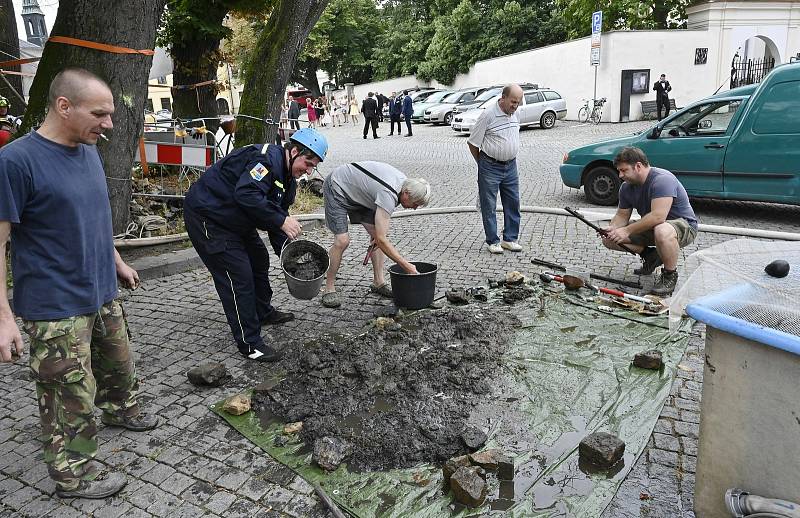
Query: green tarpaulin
{"type": "Point", "coordinates": [567, 373]}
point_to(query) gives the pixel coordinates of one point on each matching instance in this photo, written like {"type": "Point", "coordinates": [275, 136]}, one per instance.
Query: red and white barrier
{"type": "Point", "coordinates": [162, 153]}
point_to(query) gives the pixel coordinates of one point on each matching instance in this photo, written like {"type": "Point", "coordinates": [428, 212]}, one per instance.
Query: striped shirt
{"type": "Point", "coordinates": [496, 133]}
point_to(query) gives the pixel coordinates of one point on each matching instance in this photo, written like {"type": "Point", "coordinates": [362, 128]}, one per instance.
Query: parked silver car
{"type": "Point", "coordinates": [539, 106]}
{"type": "Point", "coordinates": [433, 100]}
{"type": "Point", "coordinates": [443, 113]}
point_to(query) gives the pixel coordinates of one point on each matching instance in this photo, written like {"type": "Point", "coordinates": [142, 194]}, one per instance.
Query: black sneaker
{"type": "Point", "coordinates": [277, 317]}
{"type": "Point", "coordinates": [105, 485]}
{"type": "Point", "coordinates": [651, 261]}
{"type": "Point", "coordinates": [665, 284]}
{"type": "Point", "coordinates": [263, 355]}
{"type": "Point", "coordinates": [138, 423]}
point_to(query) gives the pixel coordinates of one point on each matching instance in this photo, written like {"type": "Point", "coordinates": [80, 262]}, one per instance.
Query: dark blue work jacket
{"type": "Point", "coordinates": [249, 188]}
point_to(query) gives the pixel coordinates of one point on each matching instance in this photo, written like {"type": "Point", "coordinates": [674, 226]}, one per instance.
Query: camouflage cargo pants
{"type": "Point", "coordinates": [79, 363]}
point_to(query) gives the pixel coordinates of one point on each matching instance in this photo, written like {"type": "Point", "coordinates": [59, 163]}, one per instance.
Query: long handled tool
{"type": "Point", "coordinates": [370, 250]}
{"type": "Point", "coordinates": [597, 229]}
{"type": "Point", "coordinates": [547, 277]}
{"type": "Point", "coordinates": [555, 266]}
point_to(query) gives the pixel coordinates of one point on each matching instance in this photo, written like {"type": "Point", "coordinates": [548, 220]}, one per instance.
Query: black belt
{"type": "Point", "coordinates": [496, 161]}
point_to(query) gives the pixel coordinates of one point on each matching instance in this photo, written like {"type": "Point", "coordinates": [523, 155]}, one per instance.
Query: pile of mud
{"type": "Point", "coordinates": [400, 394]}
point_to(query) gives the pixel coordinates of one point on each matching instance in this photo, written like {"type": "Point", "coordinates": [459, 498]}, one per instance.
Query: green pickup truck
{"type": "Point", "coordinates": [743, 144]}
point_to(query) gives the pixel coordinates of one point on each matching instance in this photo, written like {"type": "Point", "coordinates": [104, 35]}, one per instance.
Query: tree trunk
{"type": "Point", "coordinates": [306, 74]}
{"type": "Point", "coordinates": [270, 66]}
{"type": "Point", "coordinates": [195, 60]}
{"type": "Point", "coordinates": [129, 24]}
{"type": "Point", "coordinates": [9, 44]}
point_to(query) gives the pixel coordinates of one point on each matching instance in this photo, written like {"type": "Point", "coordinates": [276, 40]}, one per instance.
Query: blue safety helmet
{"type": "Point", "coordinates": [312, 140]}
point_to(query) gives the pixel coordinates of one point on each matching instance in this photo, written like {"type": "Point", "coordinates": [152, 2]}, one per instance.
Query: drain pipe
{"type": "Point", "coordinates": [530, 209]}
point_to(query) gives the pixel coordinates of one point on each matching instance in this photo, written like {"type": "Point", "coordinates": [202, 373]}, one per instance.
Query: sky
{"type": "Point", "coordinates": [49, 8]}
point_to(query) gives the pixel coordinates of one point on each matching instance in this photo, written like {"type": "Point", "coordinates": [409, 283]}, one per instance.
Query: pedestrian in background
{"type": "Point", "coordinates": [354, 110]}
{"type": "Point", "coordinates": [294, 113]}
{"type": "Point", "coordinates": [311, 113]}
{"type": "Point", "coordinates": [395, 111]}
{"type": "Point", "coordinates": [370, 110]}
{"type": "Point", "coordinates": [54, 203]}
{"type": "Point", "coordinates": [662, 89]}
{"type": "Point", "coordinates": [408, 112]}
{"type": "Point", "coordinates": [494, 144]}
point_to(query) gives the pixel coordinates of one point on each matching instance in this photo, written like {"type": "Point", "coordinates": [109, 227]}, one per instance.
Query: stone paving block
{"type": "Point", "coordinates": [305, 507]}
{"type": "Point", "coordinates": [158, 474]}
{"type": "Point", "coordinates": [666, 442]}
{"type": "Point", "coordinates": [198, 493]}
{"type": "Point", "coordinates": [687, 429]}
{"type": "Point", "coordinates": [300, 486]}
{"type": "Point", "coordinates": [254, 489]}
{"type": "Point", "coordinates": [232, 479]}
{"type": "Point", "coordinates": [277, 498]}
{"type": "Point", "coordinates": [67, 512]}
{"type": "Point", "coordinates": [9, 486]}
{"type": "Point", "coordinates": [220, 502]}
{"type": "Point", "coordinates": [21, 497]}
{"type": "Point", "coordinates": [140, 493]}
{"type": "Point", "coordinates": [176, 483]}
{"type": "Point", "coordinates": [163, 504]}
{"type": "Point", "coordinates": [114, 509]}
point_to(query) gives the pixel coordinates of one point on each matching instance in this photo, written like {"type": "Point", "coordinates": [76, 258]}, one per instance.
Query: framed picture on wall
{"type": "Point", "coordinates": [641, 82]}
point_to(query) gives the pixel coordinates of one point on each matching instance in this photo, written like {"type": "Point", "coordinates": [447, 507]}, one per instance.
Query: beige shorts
{"type": "Point", "coordinates": [685, 232]}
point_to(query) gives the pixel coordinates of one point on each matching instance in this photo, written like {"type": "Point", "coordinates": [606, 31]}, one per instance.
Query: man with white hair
{"type": "Point", "coordinates": [368, 193]}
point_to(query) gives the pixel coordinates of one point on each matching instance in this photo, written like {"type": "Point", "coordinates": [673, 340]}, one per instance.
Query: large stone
{"type": "Point", "coordinates": [648, 360]}
{"type": "Point", "coordinates": [209, 375]}
{"type": "Point", "coordinates": [330, 452]}
{"type": "Point", "coordinates": [469, 486]}
{"type": "Point", "coordinates": [514, 278]}
{"type": "Point", "coordinates": [487, 459]}
{"type": "Point", "coordinates": [290, 428]}
{"type": "Point", "coordinates": [386, 311]}
{"type": "Point", "coordinates": [473, 437]}
{"type": "Point", "coordinates": [601, 449]}
{"type": "Point", "coordinates": [457, 297]}
{"type": "Point", "coordinates": [452, 465]}
{"type": "Point", "coordinates": [237, 405]}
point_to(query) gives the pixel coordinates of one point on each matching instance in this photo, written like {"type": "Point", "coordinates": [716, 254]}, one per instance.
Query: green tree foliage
{"type": "Point", "coordinates": [192, 31]}
{"type": "Point", "coordinates": [340, 43]}
{"type": "Point", "coordinates": [450, 36]}
{"type": "Point", "coordinates": [623, 14]}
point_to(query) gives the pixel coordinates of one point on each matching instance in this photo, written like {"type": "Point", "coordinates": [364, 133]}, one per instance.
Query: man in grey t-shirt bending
{"type": "Point", "coordinates": [667, 219]}
{"type": "Point", "coordinates": [368, 193]}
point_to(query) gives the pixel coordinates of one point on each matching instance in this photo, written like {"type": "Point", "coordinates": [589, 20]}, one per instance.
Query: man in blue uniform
{"type": "Point", "coordinates": [250, 189]}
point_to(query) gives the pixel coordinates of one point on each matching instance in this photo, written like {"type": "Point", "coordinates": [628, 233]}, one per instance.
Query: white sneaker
{"type": "Point", "coordinates": [513, 246]}
{"type": "Point", "coordinates": [495, 248]}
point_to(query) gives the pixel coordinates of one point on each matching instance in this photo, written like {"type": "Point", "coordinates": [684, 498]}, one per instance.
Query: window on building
{"type": "Point", "coordinates": [162, 80]}
{"type": "Point", "coordinates": [148, 105]}
{"type": "Point", "coordinates": [165, 104]}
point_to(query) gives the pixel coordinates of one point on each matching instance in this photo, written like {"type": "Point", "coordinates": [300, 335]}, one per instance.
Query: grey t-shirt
{"type": "Point", "coordinates": [659, 183]}
{"type": "Point", "coordinates": [362, 192]}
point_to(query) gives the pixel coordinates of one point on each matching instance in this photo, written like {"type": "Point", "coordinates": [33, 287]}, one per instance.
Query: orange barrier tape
{"type": "Point", "coordinates": [15, 62]}
{"type": "Point", "coordinates": [12, 73]}
{"type": "Point", "coordinates": [98, 46]}
{"type": "Point", "coordinates": [196, 85]}
{"type": "Point", "coordinates": [143, 156]}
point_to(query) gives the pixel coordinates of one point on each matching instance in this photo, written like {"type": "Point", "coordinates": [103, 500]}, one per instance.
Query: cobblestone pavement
{"type": "Point", "coordinates": [195, 465]}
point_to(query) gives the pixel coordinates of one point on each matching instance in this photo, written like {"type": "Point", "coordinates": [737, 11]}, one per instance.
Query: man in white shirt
{"type": "Point", "coordinates": [494, 144]}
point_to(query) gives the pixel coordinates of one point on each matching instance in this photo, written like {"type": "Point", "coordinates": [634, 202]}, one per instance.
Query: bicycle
{"type": "Point", "coordinates": [584, 115]}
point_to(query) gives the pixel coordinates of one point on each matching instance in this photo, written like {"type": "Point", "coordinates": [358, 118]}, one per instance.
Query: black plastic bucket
{"type": "Point", "coordinates": [413, 291]}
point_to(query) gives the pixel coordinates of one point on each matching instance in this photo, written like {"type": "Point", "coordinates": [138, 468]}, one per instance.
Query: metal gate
{"type": "Point", "coordinates": [748, 71]}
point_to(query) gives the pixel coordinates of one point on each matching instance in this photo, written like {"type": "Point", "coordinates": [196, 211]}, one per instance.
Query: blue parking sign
{"type": "Point", "coordinates": [597, 22]}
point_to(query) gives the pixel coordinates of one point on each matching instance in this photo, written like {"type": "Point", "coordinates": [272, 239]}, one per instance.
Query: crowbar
{"type": "Point", "coordinates": [597, 229]}
{"type": "Point", "coordinates": [370, 250]}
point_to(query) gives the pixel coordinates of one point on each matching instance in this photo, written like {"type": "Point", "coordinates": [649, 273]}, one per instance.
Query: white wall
{"type": "Point", "coordinates": [387, 87]}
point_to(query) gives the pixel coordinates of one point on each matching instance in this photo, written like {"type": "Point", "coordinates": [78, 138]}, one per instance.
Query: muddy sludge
{"type": "Point", "coordinates": [401, 395]}
{"type": "Point", "coordinates": [305, 261]}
